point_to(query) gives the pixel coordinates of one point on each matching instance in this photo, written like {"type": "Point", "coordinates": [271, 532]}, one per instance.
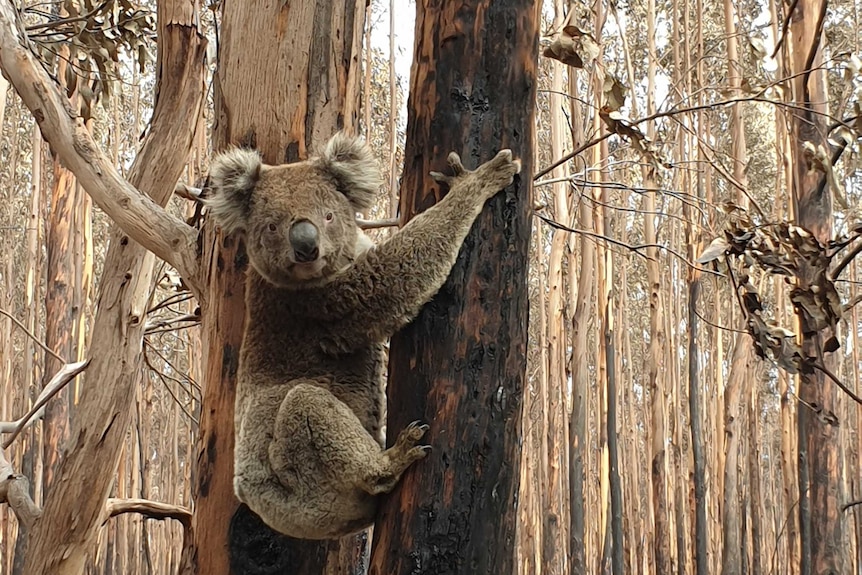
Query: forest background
{"type": "Point", "coordinates": [674, 121]}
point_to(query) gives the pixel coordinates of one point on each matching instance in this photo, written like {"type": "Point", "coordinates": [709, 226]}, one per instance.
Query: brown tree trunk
{"type": "Point", "coordinates": [61, 310]}
{"type": "Point", "coordinates": [287, 80]}
{"type": "Point", "coordinates": [819, 465]}
{"type": "Point", "coordinates": [460, 365]}
{"type": "Point", "coordinates": [61, 540]}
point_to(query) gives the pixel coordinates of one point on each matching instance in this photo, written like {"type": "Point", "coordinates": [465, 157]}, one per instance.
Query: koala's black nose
{"type": "Point", "coordinates": [304, 241]}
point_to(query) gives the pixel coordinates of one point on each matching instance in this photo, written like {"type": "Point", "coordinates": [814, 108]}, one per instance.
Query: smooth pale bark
{"type": "Point", "coordinates": [60, 541]}
{"type": "Point", "coordinates": [287, 80]}
{"type": "Point", "coordinates": [579, 437]}
{"type": "Point", "coordinates": [460, 365]}
{"type": "Point", "coordinates": [555, 511]}
{"type": "Point", "coordinates": [655, 361]}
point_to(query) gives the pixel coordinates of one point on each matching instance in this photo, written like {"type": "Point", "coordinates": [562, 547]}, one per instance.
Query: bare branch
{"type": "Point", "coordinates": [144, 220]}
{"type": "Point", "coordinates": [825, 370]}
{"type": "Point", "coordinates": [845, 261]}
{"type": "Point", "coordinates": [149, 509]}
{"type": "Point", "coordinates": [60, 380]}
{"type": "Point", "coordinates": [15, 490]}
{"type": "Point", "coordinates": [376, 224]}
{"type": "Point", "coordinates": [636, 249]}
{"type": "Point", "coordinates": [187, 192]}
{"type": "Point", "coordinates": [47, 349]}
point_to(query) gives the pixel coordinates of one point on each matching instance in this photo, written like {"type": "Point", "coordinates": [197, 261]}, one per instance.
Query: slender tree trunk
{"type": "Point", "coordinates": [656, 354]}
{"type": "Point", "coordinates": [61, 312]}
{"type": "Point", "coordinates": [740, 373]}
{"type": "Point", "coordinates": [581, 378]}
{"type": "Point", "coordinates": [757, 547]}
{"type": "Point", "coordinates": [460, 365]}
{"type": "Point", "coordinates": [298, 64]}
{"type": "Point", "coordinates": [819, 465]}
{"type": "Point", "coordinates": [554, 513]}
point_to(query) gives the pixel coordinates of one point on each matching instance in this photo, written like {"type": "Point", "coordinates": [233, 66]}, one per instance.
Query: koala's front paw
{"type": "Point", "coordinates": [490, 177]}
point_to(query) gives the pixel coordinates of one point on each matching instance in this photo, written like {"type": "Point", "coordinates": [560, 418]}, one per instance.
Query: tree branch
{"type": "Point", "coordinates": [144, 220]}
{"type": "Point", "coordinates": [15, 490]}
{"type": "Point", "coordinates": [60, 380]}
{"type": "Point", "coordinates": [149, 509]}
{"type": "Point", "coordinates": [47, 349]}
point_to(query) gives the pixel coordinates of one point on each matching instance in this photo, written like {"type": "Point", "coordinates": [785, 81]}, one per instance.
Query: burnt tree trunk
{"type": "Point", "coordinates": [287, 80]}
{"type": "Point", "coordinates": [460, 366]}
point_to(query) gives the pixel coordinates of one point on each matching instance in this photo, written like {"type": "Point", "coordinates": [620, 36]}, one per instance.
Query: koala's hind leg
{"type": "Point", "coordinates": [317, 435]}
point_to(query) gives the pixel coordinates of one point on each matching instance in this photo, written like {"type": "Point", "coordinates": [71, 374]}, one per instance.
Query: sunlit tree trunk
{"type": "Point", "coordinates": [555, 510]}
{"type": "Point", "coordinates": [61, 310]}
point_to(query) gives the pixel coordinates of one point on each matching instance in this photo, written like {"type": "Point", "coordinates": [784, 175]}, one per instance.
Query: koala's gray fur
{"type": "Point", "coordinates": [309, 458]}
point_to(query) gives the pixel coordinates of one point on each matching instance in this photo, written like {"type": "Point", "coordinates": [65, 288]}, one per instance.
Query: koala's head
{"type": "Point", "coordinates": [298, 219]}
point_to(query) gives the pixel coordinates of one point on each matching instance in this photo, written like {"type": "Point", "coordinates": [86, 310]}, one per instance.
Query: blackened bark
{"type": "Point", "coordinates": [461, 365]}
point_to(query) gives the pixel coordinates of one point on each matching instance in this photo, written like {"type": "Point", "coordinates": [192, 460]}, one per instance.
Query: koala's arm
{"type": "Point", "coordinates": [386, 288]}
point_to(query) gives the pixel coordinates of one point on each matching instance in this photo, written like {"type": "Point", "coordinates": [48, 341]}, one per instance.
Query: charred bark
{"type": "Point", "coordinates": [460, 366]}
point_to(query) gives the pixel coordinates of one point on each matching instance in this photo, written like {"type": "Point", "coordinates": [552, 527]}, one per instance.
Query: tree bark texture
{"type": "Point", "coordinates": [460, 366]}
{"type": "Point", "coordinates": [579, 366]}
{"type": "Point", "coordinates": [819, 463]}
{"type": "Point", "coordinates": [61, 540]}
{"type": "Point", "coordinates": [287, 80]}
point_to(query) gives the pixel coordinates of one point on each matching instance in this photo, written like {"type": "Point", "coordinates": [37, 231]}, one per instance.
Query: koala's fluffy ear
{"type": "Point", "coordinates": [233, 175]}
{"type": "Point", "coordinates": [351, 162]}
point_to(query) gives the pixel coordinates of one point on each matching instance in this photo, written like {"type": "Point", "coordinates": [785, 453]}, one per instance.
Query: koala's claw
{"type": "Point", "coordinates": [455, 163]}
{"type": "Point", "coordinates": [410, 435]}
{"type": "Point", "coordinates": [419, 452]}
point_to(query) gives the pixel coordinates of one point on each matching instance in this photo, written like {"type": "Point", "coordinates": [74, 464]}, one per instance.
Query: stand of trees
{"type": "Point", "coordinates": [681, 397]}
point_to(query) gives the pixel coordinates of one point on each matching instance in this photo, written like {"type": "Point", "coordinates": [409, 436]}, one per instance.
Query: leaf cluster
{"type": "Point", "coordinates": [790, 252]}
{"type": "Point", "coordinates": [96, 34]}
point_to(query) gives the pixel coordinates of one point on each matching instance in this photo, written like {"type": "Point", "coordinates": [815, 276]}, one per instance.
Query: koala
{"type": "Point", "coordinates": [322, 299]}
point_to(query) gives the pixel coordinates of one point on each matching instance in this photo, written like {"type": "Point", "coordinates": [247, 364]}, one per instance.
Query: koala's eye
{"type": "Point", "coordinates": [272, 227]}
{"type": "Point", "coordinates": [329, 216]}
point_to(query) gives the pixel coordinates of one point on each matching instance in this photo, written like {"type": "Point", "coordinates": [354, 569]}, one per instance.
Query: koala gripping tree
{"type": "Point", "coordinates": [460, 365]}
{"type": "Point", "coordinates": [287, 79]}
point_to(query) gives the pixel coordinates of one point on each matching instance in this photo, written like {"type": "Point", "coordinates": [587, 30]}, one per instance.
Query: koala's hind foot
{"type": "Point", "coordinates": [330, 465]}
{"type": "Point", "coordinates": [397, 459]}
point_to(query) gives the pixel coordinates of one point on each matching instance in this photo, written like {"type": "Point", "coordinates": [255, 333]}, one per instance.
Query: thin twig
{"type": "Point", "coordinates": [50, 351]}
{"type": "Point", "coordinates": [376, 224]}
{"type": "Point", "coordinates": [780, 533]}
{"type": "Point", "coordinates": [825, 370]}
{"type": "Point", "coordinates": [845, 261]}
{"type": "Point", "coordinates": [633, 248]}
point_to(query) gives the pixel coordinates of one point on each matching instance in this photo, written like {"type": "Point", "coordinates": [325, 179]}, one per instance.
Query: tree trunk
{"type": "Point", "coordinates": [460, 365]}
{"type": "Point", "coordinates": [555, 510]}
{"type": "Point", "coordinates": [819, 465]}
{"type": "Point", "coordinates": [579, 367]}
{"type": "Point", "coordinates": [61, 311]}
{"type": "Point", "coordinates": [287, 80]}
{"type": "Point", "coordinates": [61, 540]}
